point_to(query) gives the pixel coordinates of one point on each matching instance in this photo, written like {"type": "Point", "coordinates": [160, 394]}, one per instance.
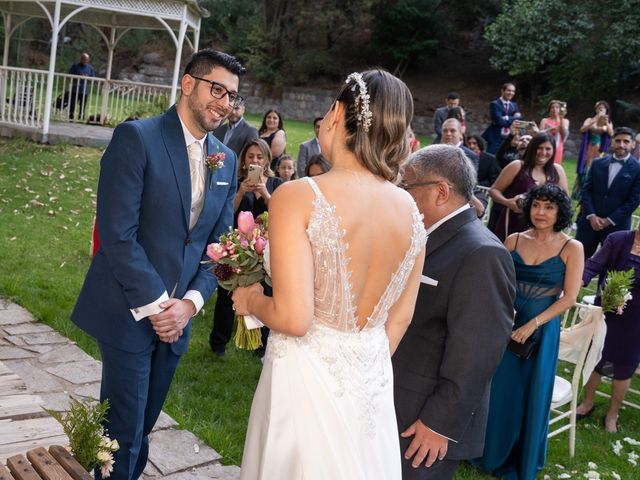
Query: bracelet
{"type": "Point", "coordinates": [537, 323]}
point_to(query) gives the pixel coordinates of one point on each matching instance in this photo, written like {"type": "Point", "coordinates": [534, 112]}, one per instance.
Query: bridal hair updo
{"type": "Point", "coordinates": [377, 125]}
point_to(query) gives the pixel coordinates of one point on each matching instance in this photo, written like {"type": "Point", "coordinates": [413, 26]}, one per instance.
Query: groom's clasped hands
{"type": "Point", "coordinates": [170, 323]}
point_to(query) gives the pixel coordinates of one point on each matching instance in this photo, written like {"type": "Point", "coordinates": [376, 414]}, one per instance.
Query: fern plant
{"type": "Point", "coordinates": [617, 290]}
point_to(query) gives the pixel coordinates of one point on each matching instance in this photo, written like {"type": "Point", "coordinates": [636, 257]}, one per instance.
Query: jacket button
{"type": "Point", "coordinates": [187, 241]}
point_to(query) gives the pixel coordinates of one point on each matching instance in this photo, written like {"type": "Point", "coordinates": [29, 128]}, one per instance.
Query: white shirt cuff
{"type": "Point", "coordinates": [590, 215]}
{"type": "Point", "coordinates": [151, 309]}
{"type": "Point", "coordinates": [611, 221]}
{"type": "Point", "coordinates": [443, 436]}
{"type": "Point", "coordinates": [196, 297]}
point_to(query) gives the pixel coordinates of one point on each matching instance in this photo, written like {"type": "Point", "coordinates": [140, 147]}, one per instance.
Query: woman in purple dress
{"type": "Point", "coordinates": [621, 353]}
{"type": "Point", "coordinates": [520, 176]}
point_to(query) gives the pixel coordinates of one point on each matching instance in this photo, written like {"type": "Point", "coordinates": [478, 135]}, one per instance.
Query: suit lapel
{"type": "Point", "coordinates": [448, 229]}
{"type": "Point", "coordinates": [625, 170]}
{"type": "Point", "coordinates": [177, 150]}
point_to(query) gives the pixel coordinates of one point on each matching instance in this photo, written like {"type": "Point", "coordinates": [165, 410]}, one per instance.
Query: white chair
{"type": "Point", "coordinates": [581, 326]}
{"type": "Point", "coordinates": [485, 190]}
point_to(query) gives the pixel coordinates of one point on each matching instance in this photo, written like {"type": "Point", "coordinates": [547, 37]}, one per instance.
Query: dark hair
{"type": "Point", "coordinates": [602, 102]}
{"type": "Point", "coordinates": [263, 127]}
{"type": "Point", "coordinates": [529, 157]}
{"type": "Point", "coordinates": [456, 112]}
{"type": "Point", "coordinates": [479, 140]}
{"type": "Point", "coordinates": [203, 61]}
{"type": "Point", "coordinates": [384, 146]}
{"type": "Point", "coordinates": [316, 120]}
{"type": "Point", "coordinates": [319, 160]}
{"type": "Point", "coordinates": [624, 131]}
{"type": "Point", "coordinates": [282, 159]}
{"type": "Point", "coordinates": [453, 96]}
{"type": "Point", "coordinates": [554, 194]}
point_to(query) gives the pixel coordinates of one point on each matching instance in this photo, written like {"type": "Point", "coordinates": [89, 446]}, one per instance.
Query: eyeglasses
{"type": "Point", "coordinates": [219, 91]}
{"type": "Point", "coordinates": [407, 187]}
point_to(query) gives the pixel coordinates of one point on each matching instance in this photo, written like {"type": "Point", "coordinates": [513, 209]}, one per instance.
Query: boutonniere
{"type": "Point", "coordinates": [214, 161]}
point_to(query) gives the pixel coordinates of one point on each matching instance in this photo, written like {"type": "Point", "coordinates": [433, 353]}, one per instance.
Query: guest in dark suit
{"type": "Point", "coordinates": [444, 363]}
{"type": "Point", "coordinates": [442, 113]}
{"type": "Point", "coordinates": [610, 194]}
{"type": "Point", "coordinates": [236, 133]}
{"type": "Point", "coordinates": [158, 208]}
{"type": "Point", "coordinates": [309, 148]}
{"type": "Point", "coordinates": [488, 168]}
{"type": "Point", "coordinates": [503, 111]}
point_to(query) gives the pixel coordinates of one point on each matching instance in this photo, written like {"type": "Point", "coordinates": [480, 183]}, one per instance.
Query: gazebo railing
{"type": "Point", "coordinates": [76, 98]}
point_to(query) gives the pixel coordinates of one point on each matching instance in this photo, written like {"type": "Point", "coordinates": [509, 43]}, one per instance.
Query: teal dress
{"type": "Point", "coordinates": [516, 439]}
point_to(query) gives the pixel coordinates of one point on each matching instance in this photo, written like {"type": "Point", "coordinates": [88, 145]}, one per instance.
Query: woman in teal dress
{"type": "Point", "coordinates": [547, 262]}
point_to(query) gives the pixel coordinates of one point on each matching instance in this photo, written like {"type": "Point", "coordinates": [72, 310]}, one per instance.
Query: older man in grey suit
{"type": "Point", "coordinates": [309, 148]}
{"type": "Point", "coordinates": [236, 133]}
{"type": "Point", "coordinates": [461, 325]}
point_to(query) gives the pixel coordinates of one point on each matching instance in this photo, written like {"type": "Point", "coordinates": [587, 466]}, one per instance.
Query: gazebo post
{"type": "Point", "coordinates": [176, 64]}
{"type": "Point", "coordinates": [52, 67]}
{"type": "Point", "coordinates": [7, 37]}
{"type": "Point", "coordinates": [196, 36]}
{"type": "Point", "coordinates": [111, 45]}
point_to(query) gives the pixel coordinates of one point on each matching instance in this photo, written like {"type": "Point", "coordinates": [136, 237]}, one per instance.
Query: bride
{"type": "Point", "coordinates": [346, 251]}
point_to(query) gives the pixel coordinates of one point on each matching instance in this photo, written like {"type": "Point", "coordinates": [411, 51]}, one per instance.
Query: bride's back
{"type": "Point", "coordinates": [361, 229]}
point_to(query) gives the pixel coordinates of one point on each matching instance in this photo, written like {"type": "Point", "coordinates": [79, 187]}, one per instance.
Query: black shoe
{"type": "Point", "coordinates": [218, 353]}
{"type": "Point", "coordinates": [580, 416]}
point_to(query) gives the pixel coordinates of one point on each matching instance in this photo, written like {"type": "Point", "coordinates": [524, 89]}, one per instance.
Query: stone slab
{"type": "Point", "coordinates": [31, 327]}
{"type": "Point", "coordinates": [43, 338]}
{"type": "Point", "coordinates": [15, 315]}
{"type": "Point", "coordinates": [78, 372]}
{"type": "Point", "coordinates": [89, 390]}
{"type": "Point", "coordinates": [150, 472]}
{"type": "Point", "coordinates": [164, 421]}
{"type": "Point", "coordinates": [216, 472]}
{"type": "Point", "coordinates": [15, 340]}
{"type": "Point", "coordinates": [66, 353]}
{"type": "Point", "coordinates": [173, 451]}
{"type": "Point", "coordinates": [39, 348]}
{"type": "Point", "coordinates": [56, 401]}
{"type": "Point", "coordinates": [11, 353]}
{"type": "Point", "coordinates": [3, 341]}
{"type": "Point", "coordinates": [36, 378]}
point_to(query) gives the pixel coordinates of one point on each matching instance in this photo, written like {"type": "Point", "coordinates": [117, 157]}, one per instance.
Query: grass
{"type": "Point", "coordinates": [47, 203]}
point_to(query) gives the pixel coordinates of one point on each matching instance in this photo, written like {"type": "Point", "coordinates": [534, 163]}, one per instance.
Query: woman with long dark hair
{"type": "Point", "coordinates": [272, 132]}
{"type": "Point", "coordinates": [516, 179]}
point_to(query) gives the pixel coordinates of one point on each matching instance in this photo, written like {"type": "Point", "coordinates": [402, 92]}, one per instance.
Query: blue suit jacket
{"type": "Point", "coordinates": [617, 202]}
{"type": "Point", "coordinates": [144, 201]}
{"type": "Point", "coordinates": [493, 133]}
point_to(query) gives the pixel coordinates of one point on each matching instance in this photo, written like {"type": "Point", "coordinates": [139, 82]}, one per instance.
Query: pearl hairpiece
{"type": "Point", "coordinates": [361, 100]}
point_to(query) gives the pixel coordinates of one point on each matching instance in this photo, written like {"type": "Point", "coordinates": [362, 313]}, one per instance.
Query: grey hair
{"type": "Point", "coordinates": [447, 162]}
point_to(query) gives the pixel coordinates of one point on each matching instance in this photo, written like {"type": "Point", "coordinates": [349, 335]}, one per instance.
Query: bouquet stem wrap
{"type": "Point", "coordinates": [248, 332]}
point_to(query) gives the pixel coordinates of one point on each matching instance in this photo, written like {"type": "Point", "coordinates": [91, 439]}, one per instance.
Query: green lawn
{"type": "Point", "coordinates": [47, 203]}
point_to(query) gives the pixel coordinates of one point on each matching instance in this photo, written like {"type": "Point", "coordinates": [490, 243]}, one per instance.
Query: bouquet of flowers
{"type": "Point", "coordinates": [88, 441]}
{"type": "Point", "coordinates": [617, 291]}
{"type": "Point", "coordinates": [238, 260]}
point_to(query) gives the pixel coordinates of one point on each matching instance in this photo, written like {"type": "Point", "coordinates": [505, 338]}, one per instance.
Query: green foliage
{"type": "Point", "coordinates": [616, 288]}
{"type": "Point", "coordinates": [582, 51]}
{"type": "Point", "coordinates": [83, 425]}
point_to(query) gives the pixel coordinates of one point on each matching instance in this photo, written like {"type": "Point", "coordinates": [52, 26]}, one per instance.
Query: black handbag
{"type": "Point", "coordinates": [523, 350]}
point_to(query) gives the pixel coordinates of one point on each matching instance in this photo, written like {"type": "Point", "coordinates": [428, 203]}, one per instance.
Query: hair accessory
{"type": "Point", "coordinates": [362, 100]}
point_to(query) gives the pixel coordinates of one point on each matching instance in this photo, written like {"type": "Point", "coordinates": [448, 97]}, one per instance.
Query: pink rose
{"type": "Point", "coordinates": [244, 243]}
{"type": "Point", "coordinates": [261, 242]}
{"type": "Point", "coordinates": [231, 247]}
{"type": "Point", "coordinates": [215, 251]}
{"type": "Point", "coordinates": [246, 223]}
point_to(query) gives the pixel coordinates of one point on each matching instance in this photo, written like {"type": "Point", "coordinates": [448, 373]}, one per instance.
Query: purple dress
{"type": "Point", "coordinates": [522, 183]}
{"type": "Point", "coordinates": [621, 352]}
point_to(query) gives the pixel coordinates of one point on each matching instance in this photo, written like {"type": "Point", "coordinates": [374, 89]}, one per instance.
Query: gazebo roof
{"type": "Point", "coordinates": [114, 13]}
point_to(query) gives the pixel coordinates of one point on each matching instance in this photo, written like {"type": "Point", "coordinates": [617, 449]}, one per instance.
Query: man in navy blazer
{"type": "Point", "coordinates": [610, 194]}
{"type": "Point", "coordinates": [236, 133]}
{"type": "Point", "coordinates": [159, 206]}
{"type": "Point", "coordinates": [309, 148]}
{"type": "Point", "coordinates": [503, 112]}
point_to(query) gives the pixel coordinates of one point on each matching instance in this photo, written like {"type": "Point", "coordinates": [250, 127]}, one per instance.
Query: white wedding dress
{"type": "Point", "coordinates": [323, 408]}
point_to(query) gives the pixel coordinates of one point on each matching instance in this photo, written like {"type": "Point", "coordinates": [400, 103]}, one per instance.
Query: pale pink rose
{"type": "Point", "coordinates": [231, 247]}
{"type": "Point", "coordinates": [261, 242]}
{"type": "Point", "coordinates": [246, 223]}
{"type": "Point", "coordinates": [215, 251]}
{"type": "Point", "coordinates": [244, 243]}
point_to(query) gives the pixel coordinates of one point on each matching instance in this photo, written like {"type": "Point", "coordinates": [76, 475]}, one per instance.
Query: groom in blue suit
{"type": "Point", "coordinates": [610, 194]}
{"type": "Point", "coordinates": [503, 112]}
{"type": "Point", "coordinates": [159, 205]}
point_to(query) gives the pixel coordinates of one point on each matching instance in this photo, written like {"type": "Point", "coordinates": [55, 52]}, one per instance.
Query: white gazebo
{"type": "Point", "coordinates": [29, 96]}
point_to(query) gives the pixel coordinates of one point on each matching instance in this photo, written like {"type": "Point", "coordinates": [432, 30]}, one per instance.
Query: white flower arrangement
{"type": "Point", "coordinates": [362, 100]}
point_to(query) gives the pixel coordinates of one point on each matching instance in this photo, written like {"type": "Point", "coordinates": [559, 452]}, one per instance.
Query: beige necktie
{"type": "Point", "coordinates": [197, 182]}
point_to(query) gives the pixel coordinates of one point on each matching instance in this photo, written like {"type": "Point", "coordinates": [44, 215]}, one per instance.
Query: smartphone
{"type": "Point", "coordinates": [563, 108]}
{"type": "Point", "coordinates": [254, 173]}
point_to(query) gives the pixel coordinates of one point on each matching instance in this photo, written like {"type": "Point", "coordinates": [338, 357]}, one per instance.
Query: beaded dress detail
{"type": "Point", "coordinates": [324, 404]}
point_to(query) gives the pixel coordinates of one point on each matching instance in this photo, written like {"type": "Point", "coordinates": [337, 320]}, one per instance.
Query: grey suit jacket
{"type": "Point", "coordinates": [242, 134]}
{"type": "Point", "coordinates": [460, 329]}
{"type": "Point", "coordinates": [307, 150]}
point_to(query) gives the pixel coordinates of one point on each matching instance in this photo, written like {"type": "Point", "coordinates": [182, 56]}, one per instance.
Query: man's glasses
{"type": "Point", "coordinates": [408, 187]}
{"type": "Point", "coordinates": [219, 91]}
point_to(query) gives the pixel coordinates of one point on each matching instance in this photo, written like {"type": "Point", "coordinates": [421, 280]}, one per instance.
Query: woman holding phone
{"type": "Point", "coordinates": [256, 183]}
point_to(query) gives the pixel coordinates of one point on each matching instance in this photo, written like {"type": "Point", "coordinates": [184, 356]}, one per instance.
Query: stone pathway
{"type": "Point", "coordinates": [40, 367]}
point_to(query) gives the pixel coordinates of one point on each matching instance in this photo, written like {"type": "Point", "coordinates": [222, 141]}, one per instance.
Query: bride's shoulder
{"type": "Point", "coordinates": [292, 195]}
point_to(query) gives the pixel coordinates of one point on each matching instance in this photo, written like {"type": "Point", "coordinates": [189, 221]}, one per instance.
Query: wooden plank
{"type": "Point", "coordinates": [7, 451]}
{"type": "Point", "coordinates": [4, 369]}
{"type": "Point", "coordinates": [21, 406]}
{"type": "Point", "coordinates": [47, 466]}
{"type": "Point", "coordinates": [29, 429]}
{"type": "Point", "coordinates": [21, 469]}
{"type": "Point", "coordinates": [5, 474]}
{"type": "Point", "coordinates": [11, 384]}
{"type": "Point", "coordinates": [69, 462]}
